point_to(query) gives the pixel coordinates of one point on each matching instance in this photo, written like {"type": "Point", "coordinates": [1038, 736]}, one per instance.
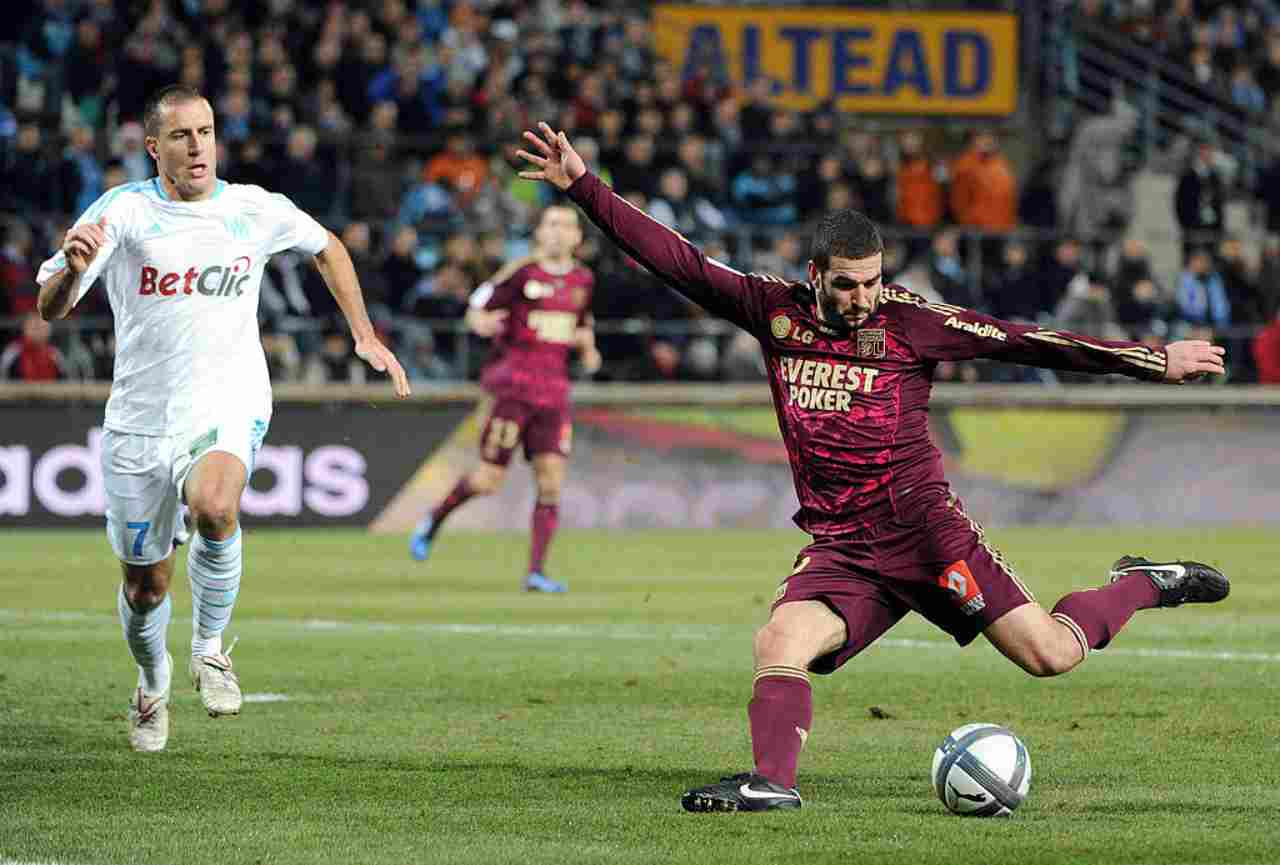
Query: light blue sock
{"type": "Point", "coordinates": [145, 634]}
{"type": "Point", "coordinates": [214, 569]}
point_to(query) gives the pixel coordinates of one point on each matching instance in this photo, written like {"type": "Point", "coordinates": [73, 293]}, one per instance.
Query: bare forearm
{"type": "Point", "coordinates": [339, 275]}
{"type": "Point", "coordinates": [58, 295]}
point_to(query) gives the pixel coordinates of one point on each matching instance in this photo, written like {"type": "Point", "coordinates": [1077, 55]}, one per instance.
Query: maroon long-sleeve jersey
{"type": "Point", "coordinates": [530, 357]}
{"type": "Point", "coordinates": [852, 407]}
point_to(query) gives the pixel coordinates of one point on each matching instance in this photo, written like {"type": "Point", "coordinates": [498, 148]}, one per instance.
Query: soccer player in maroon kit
{"type": "Point", "coordinates": [536, 311]}
{"type": "Point", "coordinates": [850, 363]}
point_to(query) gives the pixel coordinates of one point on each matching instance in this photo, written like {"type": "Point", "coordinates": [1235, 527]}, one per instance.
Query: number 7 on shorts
{"type": "Point", "coordinates": [142, 528]}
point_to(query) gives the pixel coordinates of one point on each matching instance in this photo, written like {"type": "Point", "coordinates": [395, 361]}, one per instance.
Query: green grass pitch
{"type": "Point", "coordinates": [433, 714]}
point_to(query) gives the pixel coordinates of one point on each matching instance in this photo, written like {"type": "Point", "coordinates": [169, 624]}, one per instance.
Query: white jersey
{"type": "Point", "coordinates": [182, 278]}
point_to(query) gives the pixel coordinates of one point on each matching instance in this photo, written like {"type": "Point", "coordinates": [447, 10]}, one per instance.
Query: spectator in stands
{"type": "Point", "coordinates": [1266, 353]}
{"type": "Point", "coordinates": [86, 67]}
{"type": "Point", "coordinates": [1140, 305]}
{"type": "Point", "coordinates": [763, 196]}
{"type": "Point", "coordinates": [113, 175]}
{"type": "Point", "coordinates": [28, 179]}
{"type": "Point", "coordinates": [306, 177]}
{"type": "Point", "coordinates": [1056, 273]}
{"type": "Point", "coordinates": [919, 189]}
{"type": "Point", "coordinates": [873, 188]}
{"type": "Point", "coordinates": [674, 207]}
{"type": "Point", "coordinates": [128, 148]}
{"type": "Point", "coordinates": [1269, 278]}
{"type": "Point", "coordinates": [1269, 69]}
{"type": "Point", "coordinates": [400, 268]}
{"type": "Point", "coordinates": [1201, 298]}
{"type": "Point", "coordinates": [1012, 291]}
{"type": "Point", "coordinates": [335, 362]}
{"type": "Point", "coordinates": [947, 274]}
{"type": "Point", "coordinates": [637, 172]}
{"type": "Point", "coordinates": [984, 191]}
{"type": "Point", "coordinates": [1268, 189]}
{"type": "Point", "coordinates": [1245, 92]}
{"type": "Point", "coordinates": [30, 357]}
{"type": "Point", "coordinates": [376, 179]}
{"type": "Point", "coordinates": [1200, 198]}
{"type": "Point", "coordinates": [1239, 283]}
{"type": "Point", "coordinates": [17, 274]}
{"type": "Point", "coordinates": [1086, 308]}
{"type": "Point", "coordinates": [814, 182]}
{"type": "Point", "coordinates": [80, 176]}
{"type": "Point", "coordinates": [1095, 199]}
{"type": "Point", "coordinates": [786, 258]}
{"type": "Point", "coordinates": [1038, 202]}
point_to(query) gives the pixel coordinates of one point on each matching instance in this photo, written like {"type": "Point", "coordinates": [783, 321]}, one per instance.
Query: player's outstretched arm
{"type": "Point", "coordinates": [939, 331]}
{"type": "Point", "coordinates": [677, 262]}
{"type": "Point", "coordinates": [334, 264]}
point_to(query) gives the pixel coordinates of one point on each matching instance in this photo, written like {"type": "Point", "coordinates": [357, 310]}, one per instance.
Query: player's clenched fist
{"type": "Point", "coordinates": [82, 244]}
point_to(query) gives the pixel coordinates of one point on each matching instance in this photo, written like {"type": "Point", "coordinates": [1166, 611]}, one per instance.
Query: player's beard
{"type": "Point", "coordinates": [828, 312]}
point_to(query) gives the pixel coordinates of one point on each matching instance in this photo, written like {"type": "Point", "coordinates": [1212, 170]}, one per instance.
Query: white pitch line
{"type": "Point", "coordinates": [618, 632]}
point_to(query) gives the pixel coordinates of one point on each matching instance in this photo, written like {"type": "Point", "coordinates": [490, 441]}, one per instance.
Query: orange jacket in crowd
{"type": "Point", "coordinates": [465, 174]}
{"type": "Point", "coordinates": [919, 194]}
{"type": "Point", "coordinates": [984, 192]}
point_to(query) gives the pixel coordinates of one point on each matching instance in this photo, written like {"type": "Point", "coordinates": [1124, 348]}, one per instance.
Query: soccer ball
{"type": "Point", "coordinates": [981, 770]}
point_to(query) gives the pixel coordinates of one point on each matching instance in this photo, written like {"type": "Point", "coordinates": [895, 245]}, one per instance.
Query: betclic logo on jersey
{"type": "Point", "coordinates": [215, 281]}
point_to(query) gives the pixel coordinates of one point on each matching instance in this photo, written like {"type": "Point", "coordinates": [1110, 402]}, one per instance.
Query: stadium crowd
{"type": "Point", "coordinates": [395, 124]}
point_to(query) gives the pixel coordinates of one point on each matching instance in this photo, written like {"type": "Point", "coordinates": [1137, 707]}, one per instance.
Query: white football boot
{"type": "Point", "coordinates": [218, 686]}
{"type": "Point", "coordinates": [149, 718]}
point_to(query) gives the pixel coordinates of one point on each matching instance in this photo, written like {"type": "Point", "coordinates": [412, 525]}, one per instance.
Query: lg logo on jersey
{"type": "Point", "coordinates": [216, 281]}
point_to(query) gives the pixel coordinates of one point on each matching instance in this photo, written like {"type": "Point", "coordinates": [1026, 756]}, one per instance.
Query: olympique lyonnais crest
{"type": "Point", "coordinates": [781, 326]}
{"type": "Point", "coordinates": [870, 342]}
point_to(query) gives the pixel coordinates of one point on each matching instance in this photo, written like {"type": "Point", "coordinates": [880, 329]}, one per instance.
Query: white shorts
{"type": "Point", "coordinates": [143, 477]}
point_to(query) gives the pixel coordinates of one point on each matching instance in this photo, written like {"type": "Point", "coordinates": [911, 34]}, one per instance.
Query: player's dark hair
{"type": "Point", "coordinates": [165, 97]}
{"type": "Point", "coordinates": [847, 234]}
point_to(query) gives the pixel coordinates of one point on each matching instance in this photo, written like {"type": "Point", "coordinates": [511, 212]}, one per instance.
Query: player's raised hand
{"type": "Point", "coordinates": [378, 356]}
{"type": "Point", "coordinates": [1191, 359]}
{"type": "Point", "coordinates": [82, 243]}
{"type": "Point", "coordinates": [554, 159]}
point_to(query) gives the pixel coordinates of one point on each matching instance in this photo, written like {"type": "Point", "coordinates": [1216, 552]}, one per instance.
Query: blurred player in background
{"type": "Point", "coordinates": [850, 364]}
{"type": "Point", "coordinates": [536, 311]}
{"type": "Point", "coordinates": [181, 256]}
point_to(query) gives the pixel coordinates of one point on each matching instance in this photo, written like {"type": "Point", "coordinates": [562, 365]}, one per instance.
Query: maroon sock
{"type": "Point", "coordinates": [1097, 615]}
{"type": "Point", "coordinates": [781, 713]}
{"type": "Point", "coordinates": [461, 492]}
{"type": "Point", "coordinates": [545, 520]}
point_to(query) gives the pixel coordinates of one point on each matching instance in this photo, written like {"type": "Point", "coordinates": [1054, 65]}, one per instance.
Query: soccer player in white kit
{"type": "Point", "coordinates": [181, 256]}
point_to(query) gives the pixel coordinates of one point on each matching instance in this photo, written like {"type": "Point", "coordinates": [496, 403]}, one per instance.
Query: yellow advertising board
{"type": "Point", "coordinates": [866, 61]}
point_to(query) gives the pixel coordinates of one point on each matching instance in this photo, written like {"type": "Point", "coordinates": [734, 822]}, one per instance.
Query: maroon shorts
{"type": "Point", "coordinates": [542, 429]}
{"type": "Point", "coordinates": [938, 565]}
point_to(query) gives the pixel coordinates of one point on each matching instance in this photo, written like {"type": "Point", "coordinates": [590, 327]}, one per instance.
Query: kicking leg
{"type": "Point", "coordinates": [1050, 644]}
{"type": "Point", "coordinates": [214, 566]}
